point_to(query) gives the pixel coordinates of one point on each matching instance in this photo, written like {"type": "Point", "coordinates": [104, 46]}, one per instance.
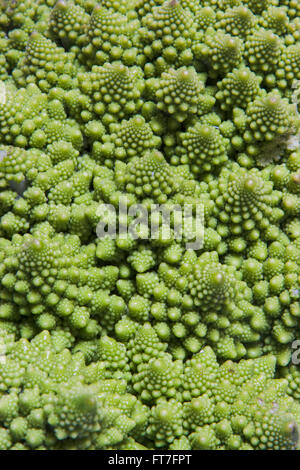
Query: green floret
{"type": "Point", "coordinates": [123, 6]}
{"type": "Point", "coordinates": [269, 116]}
{"type": "Point", "coordinates": [22, 114]}
{"type": "Point", "coordinates": [45, 64]}
{"type": "Point", "coordinates": [263, 50]}
{"type": "Point", "coordinates": [204, 17]}
{"type": "Point", "coordinates": [150, 176]}
{"type": "Point", "coordinates": [168, 32]}
{"type": "Point", "coordinates": [239, 88]}
{"type": "Point", "coordinates": [237, 21]}
{"type": "Point", "coordinates": [158, 379]}
{"type": "Point", "coordinates": [67, 22]}
{"type": "Point", "coordinates": [114, 356]}
{"type": "Point", "coordinates": [221, 51]}
{"type": "Point", "coordinates": [291, 374]}
{"type": "Point", "coordinates": [165, 423]}
{"type": "Point", "coordinates": [247, 202]}
{"type": "Point", "coordinates": [179, 94]}
{"type": "Point", "coordinates": [114, 90]}
{"type": "Point", "coordinates": [210, 285]}
{"type": "Point", "coordinates": [202, 147]}
{"type": "Point", "coordinates": [276, 19]}
{"type": "Point", "coordinates": [108, 37]}
{"type": "Point", "coordinates": [144, 346]}
{"type": "Point", "coordinates": [130, 138]}
{"type": "Point", "coordinates": [288, 70]}
{"type": "Point", "coordinates": [142, 7]}
{"type": "Point", "coordinates": [258, 6]}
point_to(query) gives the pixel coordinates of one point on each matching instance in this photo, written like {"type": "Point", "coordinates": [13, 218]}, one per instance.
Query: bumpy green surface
{"type": "Point", "coordinates": [131, 342]}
